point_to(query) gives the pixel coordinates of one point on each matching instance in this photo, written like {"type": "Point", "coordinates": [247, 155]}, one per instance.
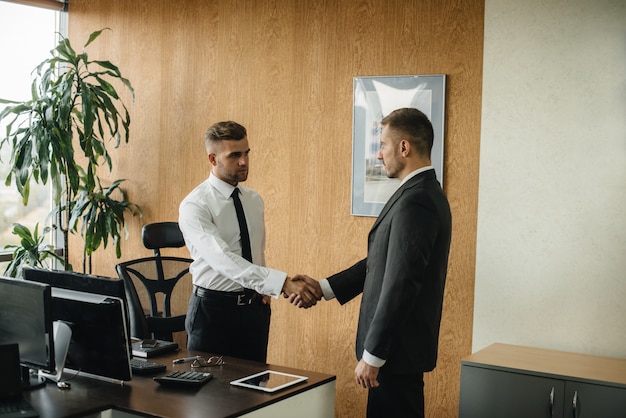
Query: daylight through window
{"type": "Point", "coordinates": [27, 35]}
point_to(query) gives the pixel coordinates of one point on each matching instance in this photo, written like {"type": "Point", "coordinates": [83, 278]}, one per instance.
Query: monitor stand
{"type": "Point", "coordinates": [31, 380]}
{"type": "Point", "coordinates": [62, 337]}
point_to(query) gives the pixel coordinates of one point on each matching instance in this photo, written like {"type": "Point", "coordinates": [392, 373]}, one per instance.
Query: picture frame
{"type": "Point", "coordinates": [374, 98]}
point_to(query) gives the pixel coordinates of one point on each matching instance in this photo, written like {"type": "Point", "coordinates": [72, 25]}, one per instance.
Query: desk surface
{"type": "Point", "coordinates": [217, 398]}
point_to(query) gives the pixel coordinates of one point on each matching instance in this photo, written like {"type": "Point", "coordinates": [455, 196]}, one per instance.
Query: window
{"type": "Point", "coordinates": [27, 34]}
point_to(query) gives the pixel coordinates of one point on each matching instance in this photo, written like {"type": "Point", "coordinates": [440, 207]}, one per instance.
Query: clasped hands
{"type": "Point", "coordinates": [302, 291]}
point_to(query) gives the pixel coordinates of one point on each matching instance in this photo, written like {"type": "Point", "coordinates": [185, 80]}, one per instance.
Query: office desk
{"type": "Point", "coordinates": [142, 396]}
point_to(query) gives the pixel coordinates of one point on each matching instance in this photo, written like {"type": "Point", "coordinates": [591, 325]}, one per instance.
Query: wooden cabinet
{"type": "Point", "coordinates": [507, 381]}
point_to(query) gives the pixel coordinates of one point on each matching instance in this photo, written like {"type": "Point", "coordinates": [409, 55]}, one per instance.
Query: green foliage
{"type": "Point", "coordinates": [32, 251]}
{"type": "Point", "coordinates": [102, 216]}
{"type": "Point", "coordinates": [74, 107]}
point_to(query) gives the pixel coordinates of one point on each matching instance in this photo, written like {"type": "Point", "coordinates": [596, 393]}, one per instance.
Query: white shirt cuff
{"type": "Point", "coordinates": [274, 283]}
{"type": "Point", "coordinates": [327, 290]}
{"type": "Point", "coordinates": [372, 360]}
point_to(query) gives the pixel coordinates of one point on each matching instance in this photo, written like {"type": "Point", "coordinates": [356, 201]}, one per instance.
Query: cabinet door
{"type": "Point", "coordinates": [489, 393]}
{"type": "Point", "coordinates": [584, 400]}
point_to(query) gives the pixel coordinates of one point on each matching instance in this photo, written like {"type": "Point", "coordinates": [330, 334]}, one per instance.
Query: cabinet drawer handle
{"type": "Point", "coordinates": [575, 404]}
{"type": "Point", "coordinates": [552, 402]}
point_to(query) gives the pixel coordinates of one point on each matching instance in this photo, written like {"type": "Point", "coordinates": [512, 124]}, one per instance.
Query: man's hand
{"type": "Point", "coordinates": [365, 375]}
{"type": "Point", "coordinates": [302, 291]}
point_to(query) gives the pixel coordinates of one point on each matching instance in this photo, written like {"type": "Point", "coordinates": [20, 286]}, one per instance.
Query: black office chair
{"type": "Point", "coordinates": [153, 279]}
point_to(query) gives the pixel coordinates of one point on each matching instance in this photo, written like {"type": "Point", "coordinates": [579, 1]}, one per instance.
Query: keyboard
{"type": "Point", "coordinates": [143, 367]}
{"type": "Point", "coordinates": [17, 408]}
{"type": "Point", "coordinates": [184, 378]}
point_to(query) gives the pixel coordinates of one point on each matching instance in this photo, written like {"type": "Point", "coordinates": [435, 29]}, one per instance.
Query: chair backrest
{"type": "Point", "coordinates": [153, 280]}
{"type": "Point", "coordinates": [162, 235]}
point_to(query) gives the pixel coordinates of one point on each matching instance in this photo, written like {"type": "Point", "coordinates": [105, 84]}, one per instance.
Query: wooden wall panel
{"type": "Point", "coordinates": [284, 69]}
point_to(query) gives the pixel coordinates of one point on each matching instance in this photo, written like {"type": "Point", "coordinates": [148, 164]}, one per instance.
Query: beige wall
{"type": "Point", "coordinates": [284, 69]}
{"type": "Point", "coordinates": [552, 230]}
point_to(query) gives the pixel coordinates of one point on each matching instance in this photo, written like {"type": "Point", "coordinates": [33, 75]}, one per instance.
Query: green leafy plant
{"type": "Point", "coordinates": [32, 250]}
{"type": "Point", "coordinates": [75, 109]}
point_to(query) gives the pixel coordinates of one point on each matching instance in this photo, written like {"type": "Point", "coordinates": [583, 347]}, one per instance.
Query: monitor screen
{"type": "Point", "coordinates": [76, 281]}
{"type": "Point", "coordinates": [99, 345]}
{"type": "Point", "coordinates": [26, 319]}
{"type": "Point", "coordinates": [80, 282]}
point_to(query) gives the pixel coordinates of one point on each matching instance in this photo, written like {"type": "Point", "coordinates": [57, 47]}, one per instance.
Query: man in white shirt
{"type": "Point", "coordinates": [229, 310]}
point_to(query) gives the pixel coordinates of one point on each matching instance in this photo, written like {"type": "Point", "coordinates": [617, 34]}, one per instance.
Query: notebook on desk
{"type": "Point", "coordinates": [12, 402]}
{"type": "Point", "coordinates": [159, 347]}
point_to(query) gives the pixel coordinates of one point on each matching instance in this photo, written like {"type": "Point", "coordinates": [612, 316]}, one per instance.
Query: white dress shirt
{"type": "Point", "coordinates": [208, 221]}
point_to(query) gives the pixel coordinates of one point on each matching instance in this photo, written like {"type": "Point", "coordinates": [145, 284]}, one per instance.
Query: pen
{"type": "Point", "coordinates": [185, 359]}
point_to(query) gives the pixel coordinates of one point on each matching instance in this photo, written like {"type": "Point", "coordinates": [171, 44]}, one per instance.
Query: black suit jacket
{"type": "Point", "coordinates": [403, 277]}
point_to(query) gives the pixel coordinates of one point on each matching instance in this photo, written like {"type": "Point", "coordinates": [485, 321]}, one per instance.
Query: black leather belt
{"type": "Point", "coordinates": [247, 297]}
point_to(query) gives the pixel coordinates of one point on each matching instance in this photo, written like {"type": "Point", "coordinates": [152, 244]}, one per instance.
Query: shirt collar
{"type": "Point", "coordinates": [221, 186]}
{"type": "Point", "coordinates": [415, 173]}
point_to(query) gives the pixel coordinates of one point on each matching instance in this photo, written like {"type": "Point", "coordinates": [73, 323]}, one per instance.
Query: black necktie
{"type": "Point", "coordinates": [243, 227]}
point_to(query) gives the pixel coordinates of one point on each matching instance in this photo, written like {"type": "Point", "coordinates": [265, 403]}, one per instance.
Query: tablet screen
{"type": "Point", "coordinates": [269, 381]}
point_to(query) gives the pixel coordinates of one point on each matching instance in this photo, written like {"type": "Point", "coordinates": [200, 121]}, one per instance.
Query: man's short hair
{"type": "Point", "coordinates": [221, 131]}
{"type": "Point", "coordinates": [413, 125]}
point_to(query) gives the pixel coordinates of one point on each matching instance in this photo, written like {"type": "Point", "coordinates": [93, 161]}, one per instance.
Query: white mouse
{"type": "Point", "coordinates": [63, 385]}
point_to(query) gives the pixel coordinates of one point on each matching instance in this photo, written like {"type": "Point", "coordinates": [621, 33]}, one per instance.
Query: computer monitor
{"type": "Point", "coordinates": [95, 309]}
{"type": "Point", "coordinates": [80, 282]}
{"type": "Point", "coordinates": [99, 346]}
{"type": "Point", "coordinates": [26, 319]}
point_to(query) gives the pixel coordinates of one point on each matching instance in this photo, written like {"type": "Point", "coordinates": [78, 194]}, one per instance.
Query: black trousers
{"type": "Point", "coordinates": [398, 396]}
{"type": "Point", "coordinates": [218, 325]}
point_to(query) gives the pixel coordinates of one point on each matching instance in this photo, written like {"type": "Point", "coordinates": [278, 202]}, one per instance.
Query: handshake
{"type": "Point", "coordinates": [302, 291]}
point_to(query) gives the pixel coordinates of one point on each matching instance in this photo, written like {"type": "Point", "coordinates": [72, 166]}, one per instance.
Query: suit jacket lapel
{"type": "Point", "coordinates": [396, 195]}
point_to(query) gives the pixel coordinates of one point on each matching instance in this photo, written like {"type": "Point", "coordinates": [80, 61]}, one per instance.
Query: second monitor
{"type": "Point", "coordinates": [94, 308]}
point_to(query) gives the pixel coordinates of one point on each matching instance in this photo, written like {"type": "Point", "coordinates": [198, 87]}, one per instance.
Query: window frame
{"type": "Point", "coordinates": [60, 6]}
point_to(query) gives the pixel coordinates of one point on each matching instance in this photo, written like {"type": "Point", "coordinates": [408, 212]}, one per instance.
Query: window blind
{"type": "Point", "coordinates": [60, 5]}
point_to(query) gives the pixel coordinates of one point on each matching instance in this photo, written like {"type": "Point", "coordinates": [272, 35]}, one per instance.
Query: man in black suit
{"type": "Point", "coordinates": [403, 277]}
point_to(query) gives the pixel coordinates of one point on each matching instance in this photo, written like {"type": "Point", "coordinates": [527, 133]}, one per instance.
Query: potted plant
{"type": "Point", "coordinates": [61, 135]}
{"type": "Point", "coordinates": [32, 250]}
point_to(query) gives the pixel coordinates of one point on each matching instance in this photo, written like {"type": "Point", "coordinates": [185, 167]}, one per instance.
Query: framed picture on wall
{"type": "Point", "coordinates": [375, 98]}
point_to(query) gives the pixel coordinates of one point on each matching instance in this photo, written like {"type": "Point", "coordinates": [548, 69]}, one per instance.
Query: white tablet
{"type": "Point", "coordinates": [269, 381]}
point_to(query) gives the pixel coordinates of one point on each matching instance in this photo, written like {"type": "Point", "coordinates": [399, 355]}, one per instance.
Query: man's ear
{"type": "Point", "coordinates": [404, 147]}
{"type": "Point", "coordinates": [212, 159]}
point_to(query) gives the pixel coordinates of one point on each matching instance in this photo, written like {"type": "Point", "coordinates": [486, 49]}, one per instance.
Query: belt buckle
{"type": "Point", "coordinates": [242, 300]}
